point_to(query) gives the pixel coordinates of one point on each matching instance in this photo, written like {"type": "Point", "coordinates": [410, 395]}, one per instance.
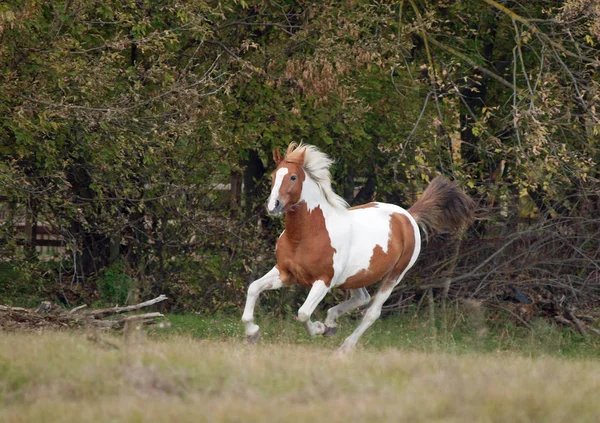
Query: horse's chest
{"type": "Point", "coordinates": [309, 260]}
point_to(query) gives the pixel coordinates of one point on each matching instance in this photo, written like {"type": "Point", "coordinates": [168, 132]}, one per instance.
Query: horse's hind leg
{"type": "Point", "coordinates": [315, 296]}
{"type": "Point", "coordinates": [271, 280]}
{"type": "Point", "coordinates": [358, 298]}
{"type": "Point", "coordinates": [372, 314]}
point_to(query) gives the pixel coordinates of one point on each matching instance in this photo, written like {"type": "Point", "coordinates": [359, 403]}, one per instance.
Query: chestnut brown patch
{"type": "Point", "coordinates": [304, 251]}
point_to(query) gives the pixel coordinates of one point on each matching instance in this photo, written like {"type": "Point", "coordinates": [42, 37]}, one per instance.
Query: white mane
{"type": "Point", "coordinates": [316, 164]}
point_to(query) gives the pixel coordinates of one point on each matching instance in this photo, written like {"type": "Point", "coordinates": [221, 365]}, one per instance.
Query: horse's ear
{"type": "Point", "coordinates": [277, 156]}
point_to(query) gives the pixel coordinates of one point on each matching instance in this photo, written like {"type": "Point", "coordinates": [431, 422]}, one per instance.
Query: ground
{"type": "Point", "coordinates": [180, 376]}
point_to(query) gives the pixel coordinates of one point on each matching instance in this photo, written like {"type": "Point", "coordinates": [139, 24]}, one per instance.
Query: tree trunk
{"type": "Point", "coordinates": [31, 230]}
{"type": "Point", "coordinates": [235, 182]}
{"type": "Point", "coordinates": [474, 96]}
{"type": "Point", "coordinates": [92, 248]}
{"type": "Point", "coordinates": [254, 189]}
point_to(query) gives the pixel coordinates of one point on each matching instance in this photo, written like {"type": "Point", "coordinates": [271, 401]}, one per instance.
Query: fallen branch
{"type": "Point", "coordinates": [138, 319]}
{"type": "Point", "coordinates": [117, 310]}
{"type": "Point", "coordinates": [576, 321]}
{"type": "Point", "coordinates": [7, 308]}
{"type": "Point", "coordinates": [564, 321]}
{"type": "Point", "coordinates": [76, 309]}
{"type": "Point", "coordinates": [515, 315]}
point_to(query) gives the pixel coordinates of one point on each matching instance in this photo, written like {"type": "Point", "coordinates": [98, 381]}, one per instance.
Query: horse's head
{"type": "Point", "coordinates": [286, 182]}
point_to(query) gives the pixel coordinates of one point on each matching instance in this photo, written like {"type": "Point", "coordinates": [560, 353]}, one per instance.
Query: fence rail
{"type": "Point", "coordinates": [47, 241]}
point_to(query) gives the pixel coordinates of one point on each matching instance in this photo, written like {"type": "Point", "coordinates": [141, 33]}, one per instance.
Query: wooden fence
{"type": "Point", "coordinates": [47, 241]}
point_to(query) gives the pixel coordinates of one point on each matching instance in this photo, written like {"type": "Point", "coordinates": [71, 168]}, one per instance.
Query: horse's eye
{"type": "Point", "coordinates": [293, 177]}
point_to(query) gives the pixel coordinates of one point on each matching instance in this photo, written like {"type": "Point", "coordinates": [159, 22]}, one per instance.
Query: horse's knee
{"type": "Point", "coordinates": [253, 290]}
{"type": "Point", "coordinates": [256, 288]}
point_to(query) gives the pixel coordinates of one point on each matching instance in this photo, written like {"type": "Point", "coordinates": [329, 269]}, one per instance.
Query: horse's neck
{"type": "Point", "coordinates": [296, 222]}
{"type": "Point", "coordinates": [310, 214]}
{"type": "Point", "coordinates": [312, 195]}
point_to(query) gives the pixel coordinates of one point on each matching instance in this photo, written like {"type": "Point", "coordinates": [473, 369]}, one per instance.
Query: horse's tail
{"type": "Point", "coordinates": [443, 207]}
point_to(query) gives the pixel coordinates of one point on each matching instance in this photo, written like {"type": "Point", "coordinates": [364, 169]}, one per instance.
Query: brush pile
{"type": "Point", "coordinates": [53, 316]}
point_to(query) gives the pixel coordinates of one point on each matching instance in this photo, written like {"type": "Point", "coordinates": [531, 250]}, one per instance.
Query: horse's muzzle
{"type": "Point", "coordinates": [275, 208]}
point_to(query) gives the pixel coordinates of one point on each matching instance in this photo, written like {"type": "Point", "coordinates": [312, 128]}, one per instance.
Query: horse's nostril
{"type": "Point", "coordinates": [276, 203]}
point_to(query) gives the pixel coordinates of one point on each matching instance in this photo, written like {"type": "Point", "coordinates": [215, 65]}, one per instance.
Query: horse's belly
{"type": "Point", "coordinates": [366, 277]}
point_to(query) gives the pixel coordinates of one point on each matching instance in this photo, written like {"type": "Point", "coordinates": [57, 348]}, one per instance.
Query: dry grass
{"type": "Point", "coordinates": [63, 377]}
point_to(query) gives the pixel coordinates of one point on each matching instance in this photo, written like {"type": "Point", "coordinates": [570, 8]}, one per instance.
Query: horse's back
{"type": "Point", "coordinates": [377, 216]}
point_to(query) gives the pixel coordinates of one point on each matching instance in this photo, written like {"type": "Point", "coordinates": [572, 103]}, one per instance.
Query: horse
{"type": "Point", "coordinates": [326, 244]}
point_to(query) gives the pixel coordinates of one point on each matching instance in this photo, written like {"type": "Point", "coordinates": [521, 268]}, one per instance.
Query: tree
{"type": "Point", "coordinates": [122, 123]}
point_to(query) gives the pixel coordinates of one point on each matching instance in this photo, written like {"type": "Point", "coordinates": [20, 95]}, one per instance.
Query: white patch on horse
{"type": "Point", "coordinates": [371, 227]}
{"type": "Point", "coordinates": [312, 196]}
{"type": "Point", "coordinates": [275, 191]}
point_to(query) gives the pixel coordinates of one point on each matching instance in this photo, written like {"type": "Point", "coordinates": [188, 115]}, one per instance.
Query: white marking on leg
{"type": "Point", "coordinates": [358, 297]}
{"type": "Point", "coordinates": [315, 296]}
{"type": "Point", "coordinates": [276, 186]}
{"type": "Point", "coordinates": [269, 281]}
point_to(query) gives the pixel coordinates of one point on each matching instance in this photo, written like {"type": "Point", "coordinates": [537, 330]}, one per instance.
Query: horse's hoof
{"type": "Point", "coordinates": [330, 331]}
{"type": "Point", "coordinates": [345, 349]}
{"type": "Point", "coordinates": [343, 352]}
{"type": "Point", "coordinates": [253, 339]}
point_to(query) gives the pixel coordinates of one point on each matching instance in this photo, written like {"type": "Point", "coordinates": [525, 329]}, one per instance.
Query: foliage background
{"type": "Point", "coordinates": [141, 132]}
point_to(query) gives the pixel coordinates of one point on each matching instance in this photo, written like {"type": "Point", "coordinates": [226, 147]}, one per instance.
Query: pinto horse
{"type": "Point", "coordinates": [328, 245]}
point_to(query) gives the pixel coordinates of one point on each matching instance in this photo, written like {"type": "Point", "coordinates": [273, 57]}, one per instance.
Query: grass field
{"type": "Point", "coordinates": [465, 332]}
{"type": "Point", "coordinates": [200, 370]}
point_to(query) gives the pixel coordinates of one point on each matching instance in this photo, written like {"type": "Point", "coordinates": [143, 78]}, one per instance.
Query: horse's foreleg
{"type": "Point", "coordinates": [358, 298]}
{"type": "Point", "coordinates": [271, 280]}
{"type": "Point", "coordinates": [315, 296]}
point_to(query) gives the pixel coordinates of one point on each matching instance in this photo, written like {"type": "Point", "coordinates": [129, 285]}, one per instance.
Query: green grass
{"type": "Point", "coordinates": [461, 334]}
{"type": "Point", "coordinates": [463, 368]}
{"type": "Point", "coordinates": [64, 377]}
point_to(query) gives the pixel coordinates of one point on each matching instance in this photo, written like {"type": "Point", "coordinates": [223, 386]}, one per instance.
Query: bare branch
{"type": "Point", "coordinates": [543, 37]}
{"type": "Point", "coordinates": [476, 66]}
{"type": "Point", "coordinates": [118, 310]}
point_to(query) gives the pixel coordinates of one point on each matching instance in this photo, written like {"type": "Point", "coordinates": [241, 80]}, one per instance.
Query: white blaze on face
{"type": "Point", "coordinates": [276, 186]}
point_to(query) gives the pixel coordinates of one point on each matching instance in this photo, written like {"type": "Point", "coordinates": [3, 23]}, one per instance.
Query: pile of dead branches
{"type": "Point", "coordinates": [52, 316]}
{"type": "Point", "coordinates": [548, 269]}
